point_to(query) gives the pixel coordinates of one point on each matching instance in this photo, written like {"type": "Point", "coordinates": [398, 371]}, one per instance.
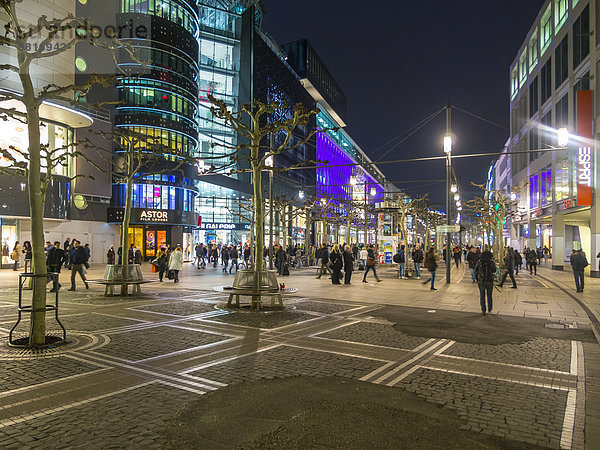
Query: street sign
{"type": "Point", "coordinates": [447, 228]}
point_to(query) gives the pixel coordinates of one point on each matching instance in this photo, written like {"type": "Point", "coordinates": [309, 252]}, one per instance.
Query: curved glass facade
{"type": "Point", "coordinates": [160, 100]}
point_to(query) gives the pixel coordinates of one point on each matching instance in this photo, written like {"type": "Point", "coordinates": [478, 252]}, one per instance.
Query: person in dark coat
{"type": "Point", "coordinates": [279, 259]}
{"type": "Point", "coordinates": [472, 258]}
{"type": "Point", "coordinates": [518, 261]}
{"type": "Point", "coordinates": [431, 265]}
{"type": "Point", "coordinates": [120, 254]}
{"type": "Point", "coordinates": [509, 266]}
{"type": "Point", "coordinates": [162, 263]}
{"type": "Point", "coordinates": [54, 261]}
{"type": "Point", "coordinates": [532, 262]}
{"type": "Point", "coordinates": [337, 263]}
{"type": "Point", "coordinates": [371, 263]}
{"type": "Point", "coordinates": [324, 257]}
{"type": "Point", "coordinates": [348, 264]}
{"type": "Point", "coordinates": [137, 256]}
{"type": "Point", "coordinates": [417, 257]}
{"type": "Point", "coordinates": [485, 269]}
{"type": "Point", "coordinates": [78, 260]}
{"type": "Point", "coordinates": [578, 262]}
{"type": "Point", "coordinates": [110, 255]}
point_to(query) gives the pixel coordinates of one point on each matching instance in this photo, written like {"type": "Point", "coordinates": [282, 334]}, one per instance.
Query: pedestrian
{"type": "Point", "coordinates": [371, 262]}
{"type": "Point", "coordinates": [27, 251]}
{"type": "Point", "coordinates": [198, 252]}
{"type": "Point", "coordinates": [401, 258]}
{"type": "Point", "coordinates": [162, 263]}
{"type": "Point", "coordinates": [417, 257]}
{"type": "Point", "coordinates": [54, 261]}
{"type": "Point", "coordinates": [532, 262]}
{"type": "Point", "coordinates": [120, 255]}
{"type": "Point", "coordinates": [578, 263]}
{"type": "Point", "coordinates": [67, 246]}
{"type": "Point", "coordinates": [324, 260]}
{"type": "Point", "coordinates": [16, 255]}
{"type": "Point", "coordinates": [233, 256]}
{"type": "Point", "coordinates": [456, 255]}
{"type": "Point", "coordinates": [485, 270]}
{"type": "Point", "coordinates": [518, 261]}
{"type": "Point", "coordinates": [355, 252]}
{"type": "Point", "coordinates": [508, 269]}
{"type": "Point", "coordinates": [539, 255]}
{"type": "Point", "coordinates": [110, 255]}
{"type": "Point", "coordinates": [546, 251]}
{"type": "Point", "coordinates": [247, 256]}
{"type": "Point", "coordinates": [431, 264]}
{"type": "Point", "coordinates": [348, 258]}
{"type": "Point", "coordinates": [137, 255]}
{"type": "Point", "coordinates": [88, 251]}
{"type": "Point", "coordinates": [298, 258]}
{"type": "Point", "coordinates": [176, 263]}
{"type": "Point", "coordinates": [337, 262]}
{"type": "Point", "coordinates": [225, 257]}
{"type": "Point", "coordinates": [472, 259]}
{"type": "Point", "coordinates": [363, 258]}
{"type": "Point", "coordinates": [78, 260]}
{"type": "Point", "coordinates": [130, 253]}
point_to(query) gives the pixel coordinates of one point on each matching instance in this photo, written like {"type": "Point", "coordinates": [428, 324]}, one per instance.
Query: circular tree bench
{"type": "Point", "coordinates": [118, 275]}
{"type": "Point", "coordinates": [237, 293]}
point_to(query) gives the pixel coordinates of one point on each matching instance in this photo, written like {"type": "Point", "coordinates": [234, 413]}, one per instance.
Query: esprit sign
{"type": "Point", "coordinates": [154, 216]}
{"type": "Point", "coordinates": [584, 153]}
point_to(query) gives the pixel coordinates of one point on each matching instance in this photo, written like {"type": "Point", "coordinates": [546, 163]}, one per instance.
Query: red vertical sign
{"type": "Point", "coordinates": [584, 150]}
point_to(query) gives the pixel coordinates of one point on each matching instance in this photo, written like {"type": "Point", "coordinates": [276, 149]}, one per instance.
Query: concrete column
{"type": "Point", "coordinates": [514, 237]}
{"type": "Point", "coordinates": [558, 242]}
{"type": "Point", "coordinates": [531, 240]}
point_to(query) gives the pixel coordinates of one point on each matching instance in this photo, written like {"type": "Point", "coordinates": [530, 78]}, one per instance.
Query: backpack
{"type": "Point", "coordinates": [396, 258]}
{"type": "Point", "coordinates": [485, 271]}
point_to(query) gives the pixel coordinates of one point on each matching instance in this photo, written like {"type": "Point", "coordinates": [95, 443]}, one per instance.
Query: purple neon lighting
{"type": "Point", "coordinates": [336, 180]}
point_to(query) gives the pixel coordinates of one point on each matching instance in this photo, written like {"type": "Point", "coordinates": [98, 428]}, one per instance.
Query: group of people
{"type": "Point", "coordinates": [229, 254]}
{"type": "Point", "coordinates": [73, 256]}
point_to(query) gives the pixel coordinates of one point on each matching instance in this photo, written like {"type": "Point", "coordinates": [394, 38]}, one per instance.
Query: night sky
{"type": "Point", "coordinates": [400, 62]}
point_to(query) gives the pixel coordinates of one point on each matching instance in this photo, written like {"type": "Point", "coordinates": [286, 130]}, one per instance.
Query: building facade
{"type": "Point", "coordinates": [553, 86]}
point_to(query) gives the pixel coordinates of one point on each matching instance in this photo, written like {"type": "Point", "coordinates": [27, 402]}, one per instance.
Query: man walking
{"type": "Point", "coordinates": [578, 262]}
{"type": "Point", "coordinates": [78, 259]}
{"type": "Point", "coordinates": [484, 273]}
{"type": "Point", "coordinates": [324, 258]}
{"type": "Point", "coordinates": [472, 259]}
{"type": "Point", "coordinates": [508, 269]}
{"type": "Point", "coordinates": [402, 263]}
{"type": "Point", "coordinates": [532, 262]}
{"type": "Point", "coordinates": [417, 257]}
{"type": "Point", "coordinates": [233, 255]}
{"type": "Point", "coordinates": [54, 261]}
{"type": "Point", "coordinates": [371, 262]}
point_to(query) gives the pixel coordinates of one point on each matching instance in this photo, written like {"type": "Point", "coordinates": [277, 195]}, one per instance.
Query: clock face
{"type": "Point", "coordinates": [80, 202]}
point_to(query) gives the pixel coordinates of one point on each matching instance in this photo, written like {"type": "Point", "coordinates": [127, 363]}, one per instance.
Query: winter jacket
{"type": "Point", "coordinates": [485, 268]}
{"type": "Point", "coordinates": [402, 254]}
{"type": "Point", "coordinates": [336, 259]}
{"type": "Point", "coordinates": [55, 257]}
{"type": "Point", "coordinates": [417, 256]}
{"type": "Point", "coordinates": [78, 255]}
{"type": "Point", "coordinates": [472, 259]}
{"type": "Point", "coordinates": [578, 262]}
{"type": "Point", "coordinates": [430, 261]}
{"type": "Point", "coordinates": [176, 260]}
{"type": "Point", "coordinates": [348, 261]}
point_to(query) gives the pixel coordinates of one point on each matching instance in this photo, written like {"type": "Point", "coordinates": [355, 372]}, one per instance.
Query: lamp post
{"type": "Point", "coordinates": [448, 151]}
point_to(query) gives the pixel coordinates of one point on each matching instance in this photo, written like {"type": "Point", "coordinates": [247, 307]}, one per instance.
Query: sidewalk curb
{"type": "Point", "coordinates": [595, 321]}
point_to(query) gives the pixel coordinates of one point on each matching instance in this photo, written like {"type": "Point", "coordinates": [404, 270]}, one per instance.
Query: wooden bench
{"type": "Point", "coordinates": [109, 290]}
{"type": "Point", "coordinates": [250, 293]}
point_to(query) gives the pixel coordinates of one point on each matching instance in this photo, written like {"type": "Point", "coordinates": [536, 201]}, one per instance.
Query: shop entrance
{"type": "Point", "coordinates": [8, 238]}
{"type": "Point", "coordinates": [148, 239]}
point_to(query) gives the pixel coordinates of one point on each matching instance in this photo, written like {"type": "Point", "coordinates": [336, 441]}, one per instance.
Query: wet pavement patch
{"type": "Point", "coordinates": [475, 328]}
{"type": "Point", "coordinates": [304, 412]}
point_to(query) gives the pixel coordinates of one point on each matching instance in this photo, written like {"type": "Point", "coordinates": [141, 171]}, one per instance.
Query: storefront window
{"type": "Point", "coordinates": [547, 186]}
{"type": "Point", "coordinates": [561, 186]}
{"type": "Point", "coordinates": [534, 192]}
{"type": "Point", "coordinates": [8, 238]}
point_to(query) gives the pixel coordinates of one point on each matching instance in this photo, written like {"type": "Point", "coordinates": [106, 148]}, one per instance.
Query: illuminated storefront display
{"type": "Point", "coordinates": [584, 152]}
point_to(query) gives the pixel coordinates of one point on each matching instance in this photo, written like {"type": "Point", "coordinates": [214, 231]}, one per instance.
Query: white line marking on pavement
{"type": "Point", "coordinates": [574, 358]}
{"type": "Point", "coordinates": [411, 370]}
{"type": "Point", "coordinates": [179, 386]}
{"type": "Point", "coordinates": [540, 369]}
{"type": "Point", "coordinates": [353, 355]}
{"type": "Point", "coordinates": [232, 358]}
{"type": "Point", "coordinates": [566, 437]}
{"type": "Point", "coordinates": [186, 350]}
{"type": "Point", "coordinates": [423, 345]}
{"type": "Point", "coordinates": [376, 371]}
{"type": "Point", "coordinates": [44, 412]}
{"type": "Point", "coordinates": [410, 361]}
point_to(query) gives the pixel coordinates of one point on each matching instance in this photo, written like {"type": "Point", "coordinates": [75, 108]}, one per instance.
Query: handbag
{"type": "Point", "coordinates": [370, 261]}
{"type": "Point", "coordinates": [396, 258]}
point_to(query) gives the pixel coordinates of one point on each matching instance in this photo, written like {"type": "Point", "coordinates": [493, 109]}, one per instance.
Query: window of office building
{"type": "Point", "coordinates": [534, 191]}
{"type": "Point", "coordinates": [533, 97]}
{"type": "Point", "coordinates": [581, 37]}
{"type": "Point", "coordinates": [534, 144]}
{"type": "Point", "coordinates": [546, 81]}
{"type": "Point", "coordinates": [561, 11]}
{"type": "Point", "coordinates": [514, 82]}
{"type": "Point", "coordinates": [561, 62]}
{"type": "Point", "coordinates": [546, 194]}
{"type": "Point", "coordinates": [546, 137]}
{"type": "Point", "coordinates": [533, 50]}
{"type": "Point", "coordinates": [546, 30]}
{"type": "Point", "coordinates": [562, 112]}
{"type": "Point", "coordinates": [523, 68]}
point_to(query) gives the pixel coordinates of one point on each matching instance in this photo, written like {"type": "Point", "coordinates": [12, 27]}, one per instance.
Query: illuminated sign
{"type": "Point", "coordinates": [568, 203]}
{"type": "Point", "coordinates": [154, 216]}
{"type": "Point", "coordinates": [224, 226]}
{"type": "Point", "coordinates": [584, 153]}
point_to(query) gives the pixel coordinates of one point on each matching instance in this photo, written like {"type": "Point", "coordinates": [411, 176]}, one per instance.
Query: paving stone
{"type": "Point", "coordinates": [156, 341]}
{"type": "Point", "coordinates": [179, 308]}
{"type": "Point", "coordinates": [375, 334]}
{"type": "Point", "coordinates": [17, 373]}
{"type": "Point", "coordinates": [553, 354]}
{"type": "Point", "coordinates": [322, 307]}
{"type": "Point", "coordinates": [287, 362]}
{"type": "Point", "coordinates": [270, 319]}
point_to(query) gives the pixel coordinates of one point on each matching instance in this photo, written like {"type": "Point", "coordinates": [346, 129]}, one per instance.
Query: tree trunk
{"type": "Point", "coordinates": [125, 233]}
{"type": "Point", "coordinates": [259, 224]}
{"type": "Point", "coordinates": [37, 330]}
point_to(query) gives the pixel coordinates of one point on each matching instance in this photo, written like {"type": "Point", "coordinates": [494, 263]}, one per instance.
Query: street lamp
{"type": "Point", "coordinates": [450, 187]}
{"type": "Point", "coordinates": [300, 195]}
{"type": "Point", "coordinates": [457, 196]}
{"type": "Point", "coordinates": [447, 144]}
{"type": "Point", "coordinates": [563, 137]}
{"type": "Point", "coordinates": [373, 191]}
{"type": "Point", "coordinates": [454, 189]}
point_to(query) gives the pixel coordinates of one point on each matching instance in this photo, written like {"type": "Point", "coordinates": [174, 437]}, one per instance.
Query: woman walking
{"type": "Point", "coordinates": [336, 264]}
{"type": "Point", "coordinates": [110, 255]}
{"type": "Point", "coordinates": [176, 263]}
{"type": "Point", "coordinates": [431, 265]}
{"type": "Point", "coordinates": [16, 255]}
{"type": "Point", "coordinates": [485, 270]}
{"type": "Point", "coordinates": [370, 264]}
{"type": "Point", "coordinates": [162, 263]}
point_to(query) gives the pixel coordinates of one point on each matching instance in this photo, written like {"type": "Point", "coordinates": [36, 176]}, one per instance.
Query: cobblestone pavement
{"type": "Point", "coordinates": [135, 362]}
